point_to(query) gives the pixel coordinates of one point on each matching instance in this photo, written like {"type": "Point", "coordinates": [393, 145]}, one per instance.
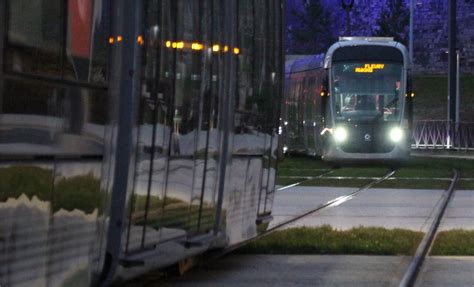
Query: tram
{"type": "Point", "coordinates": [133, 134]}
{"type": "Point", "coordinates": [351, 104]}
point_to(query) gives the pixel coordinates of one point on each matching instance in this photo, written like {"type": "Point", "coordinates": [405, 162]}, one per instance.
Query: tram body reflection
{"type": "Point", "coordinates": [203, 144]}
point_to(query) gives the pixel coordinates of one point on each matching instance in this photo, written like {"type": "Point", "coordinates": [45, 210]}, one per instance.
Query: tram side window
{"type": "Point", "coordinates": [246, 104]}
{"type": "Point", "coordinates": [258, 75]}
{"type": "Point", "coordinates": [34, 37]}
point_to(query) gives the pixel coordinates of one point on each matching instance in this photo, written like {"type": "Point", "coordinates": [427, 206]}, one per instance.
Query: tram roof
{"type": "Point", "coordinates": [301, 63]}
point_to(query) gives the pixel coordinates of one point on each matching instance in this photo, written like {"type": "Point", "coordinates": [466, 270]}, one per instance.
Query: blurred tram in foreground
{"type": "Point", "coordinates": [352, 104]}
{"type": "Point", "coordinates": [133, 134]}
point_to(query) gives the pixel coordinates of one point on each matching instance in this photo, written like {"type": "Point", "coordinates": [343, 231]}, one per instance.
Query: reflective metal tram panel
{"type": "Point", "coordinates": [182, 122]}
{"type": "Point", "coordinates": [202, 170]}
{"type": "Point", "coordinates": [53, 102]}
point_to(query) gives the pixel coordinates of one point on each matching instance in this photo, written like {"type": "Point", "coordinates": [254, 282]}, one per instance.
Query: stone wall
{"type": "Point", "coordinates": [430, 31]}
{"type": "Point", "coordinates": [431, 36]}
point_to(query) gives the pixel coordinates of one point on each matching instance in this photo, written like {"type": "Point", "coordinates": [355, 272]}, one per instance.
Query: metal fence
{"type": "Point", "coordinates": [438, 134]}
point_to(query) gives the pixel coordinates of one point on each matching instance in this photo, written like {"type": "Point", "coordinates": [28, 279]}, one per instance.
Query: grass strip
{"type": "Point", "coordinates": [327, 240]}
{"type": "Point", "coordinates": [456, 242]}
{"type": "Point", "coordinates": [300, 172]}
{"type": "Point", "coordinates": [361, 171]}
{"type": "Point", "coordinates": [414, 184]}
{"type": "Point", "coordinates": [425, 171]}
{"type": "Point", "coordinates": [436, 167]}
{"type": "Point", "coordinates": [431, 97]}
{"type": "Point", "coordinates": [416, 167]}
{"type": "Point", "coordinates": [302, 163]}
{"type": "Point", "coordinates": [336, 182]}
{"type": "Point", "coordinates": [465, 184]}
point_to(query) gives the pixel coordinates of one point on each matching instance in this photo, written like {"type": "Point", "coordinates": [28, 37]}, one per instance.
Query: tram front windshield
{"type": "Point", "coordinates": [366, 92]}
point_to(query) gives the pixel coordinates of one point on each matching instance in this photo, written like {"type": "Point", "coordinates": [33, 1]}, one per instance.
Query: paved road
{"type": "Point", "coordinates": [323, 270]}
{"type": "Point", "coordinates": [460, 212]}
{"type": "Point", "coordinates": [387, 208]}
{"type": "Point", "coordinates": [447, 271]}
{"type": "Point", "coordinates": [297, 270]}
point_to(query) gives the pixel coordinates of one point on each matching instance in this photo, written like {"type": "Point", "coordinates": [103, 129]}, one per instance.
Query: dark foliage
{"type": "Point", "coordinates": [393, 21]}
{"type": "Point", "coordinates": [309, 31]}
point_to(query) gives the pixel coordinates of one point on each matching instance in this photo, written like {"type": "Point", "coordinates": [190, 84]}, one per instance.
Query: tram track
{"type": "Point", "coordinates": [421, 252]}
{"type": "Point", "coordinates": [331, 203]}
{"type": "Point", "coordinates": [412, 272]}
{"type": "Point", "coordinates": [213, 256]}
{"type": "Point", "coordinates": [307, 178]}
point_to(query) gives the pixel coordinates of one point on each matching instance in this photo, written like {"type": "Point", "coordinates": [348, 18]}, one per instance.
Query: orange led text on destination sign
{"type": "Point", "coordinates": [369, 68]}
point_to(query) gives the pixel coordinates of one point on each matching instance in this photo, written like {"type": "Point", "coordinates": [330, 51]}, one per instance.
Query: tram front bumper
{"type": "Point", "coordinates": [335, 154]}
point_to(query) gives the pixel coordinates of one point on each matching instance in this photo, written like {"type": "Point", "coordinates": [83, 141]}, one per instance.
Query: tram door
{"type": "Point", "coordinates": [192, 166]}
{"type": "Point", "coordinates": [177, 147]}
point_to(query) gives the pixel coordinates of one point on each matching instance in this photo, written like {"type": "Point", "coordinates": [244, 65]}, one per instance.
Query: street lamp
{"type": "Point", "coordinates": [347, 6]}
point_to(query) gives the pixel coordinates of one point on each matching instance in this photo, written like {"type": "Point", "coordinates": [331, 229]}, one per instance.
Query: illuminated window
{"type": "Point", "coordinates": [215, 48]}
{"type": "Point", "coordinates": [236, 51]}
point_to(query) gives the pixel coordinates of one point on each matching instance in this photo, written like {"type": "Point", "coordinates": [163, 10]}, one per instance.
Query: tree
{"type": "Point", "coordinates": [393, 21]}
{"type": "Point", "coordinates": [308, 31]}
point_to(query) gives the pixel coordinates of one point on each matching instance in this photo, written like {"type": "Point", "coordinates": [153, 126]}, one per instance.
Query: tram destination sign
{"type": "Point", "coordinates": [369, 68]}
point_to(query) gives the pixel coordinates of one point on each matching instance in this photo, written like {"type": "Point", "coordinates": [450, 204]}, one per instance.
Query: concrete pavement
{"type": "Point", "coordinates": [460, 211]}
{"type": "Point", "coordinates": [389, 208]}
{"type": "Point", "coordinates": [297, 270]}
{"type": "Point", "coordinates": [445, 271]}
{"type": "Point", "coordinates": [325, 270]}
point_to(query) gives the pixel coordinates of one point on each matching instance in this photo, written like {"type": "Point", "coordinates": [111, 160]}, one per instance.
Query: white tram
{"type": "Point", "coordinates": [352, 104]}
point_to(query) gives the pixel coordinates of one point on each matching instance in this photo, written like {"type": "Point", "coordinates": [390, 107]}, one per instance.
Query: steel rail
{"type": "Point", "coordinates": [409, 278]}
{"type": "Point", "coordinates": [334, 202]}
{"type": "Point", "coordinates": [306, 179]}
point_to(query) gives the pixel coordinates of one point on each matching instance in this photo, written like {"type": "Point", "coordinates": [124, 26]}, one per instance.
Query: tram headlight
{"type": "Point", "coordinates": [396, 134]}
{"type": "Point", "coordinates": [340, 134]}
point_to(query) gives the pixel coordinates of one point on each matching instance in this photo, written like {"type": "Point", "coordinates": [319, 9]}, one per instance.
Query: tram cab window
{"type": "Point", "coordinates": [371, 95]}
{"type": "Point", "coordinates": [365, 103]}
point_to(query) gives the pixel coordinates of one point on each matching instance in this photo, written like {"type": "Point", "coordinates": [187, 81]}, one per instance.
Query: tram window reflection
{"type": "Point", "coordinates": [34, 37]}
